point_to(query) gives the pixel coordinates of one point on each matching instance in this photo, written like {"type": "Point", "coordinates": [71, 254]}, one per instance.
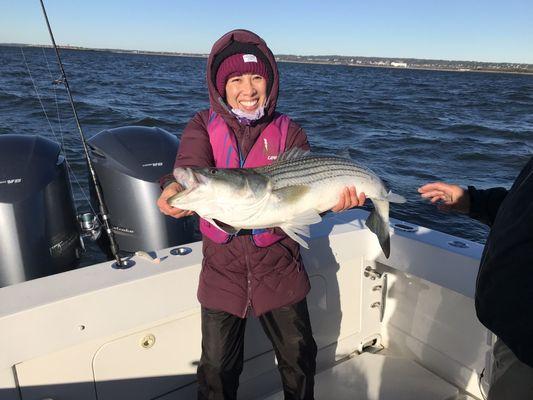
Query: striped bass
{"type": "Point", "coordinates": [290, 194]}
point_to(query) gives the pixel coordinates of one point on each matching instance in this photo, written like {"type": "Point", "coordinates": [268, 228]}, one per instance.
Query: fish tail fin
{"type": "Point", "coordinates": [378, 223]}
{"type": "Point", "coordinates": [395, 198]}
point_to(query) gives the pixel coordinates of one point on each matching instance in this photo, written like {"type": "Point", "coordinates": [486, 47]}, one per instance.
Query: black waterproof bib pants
{"type": "Point", "coordinates": [289, 330]}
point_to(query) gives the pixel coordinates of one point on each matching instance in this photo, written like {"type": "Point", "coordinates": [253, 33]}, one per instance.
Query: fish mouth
{"type": "Point", "coordinates": [189, 178]}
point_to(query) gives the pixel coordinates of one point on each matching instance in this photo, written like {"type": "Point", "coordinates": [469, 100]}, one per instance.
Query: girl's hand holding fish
{"type": "Point", "coordinates": [166, 208]}
{"type": "Point", "coordinates": [349, 199]}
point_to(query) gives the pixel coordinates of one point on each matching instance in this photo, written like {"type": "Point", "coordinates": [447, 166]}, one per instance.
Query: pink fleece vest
{"type": "Point", "coordinates": [270, 143]}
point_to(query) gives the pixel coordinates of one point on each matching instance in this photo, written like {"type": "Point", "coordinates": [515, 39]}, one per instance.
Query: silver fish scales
{"type": "Point", "coordinates": [312, 169]}
{"type": "Point", "coordinates": [290, 194]}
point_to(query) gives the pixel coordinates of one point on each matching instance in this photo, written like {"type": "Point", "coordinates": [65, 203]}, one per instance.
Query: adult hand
{"type": "Point", "coordinates": [349, 199]}
{"type": "Point", "coordinates": [451, 197]}
{"type": "Point", "coordinates": [166, 208]}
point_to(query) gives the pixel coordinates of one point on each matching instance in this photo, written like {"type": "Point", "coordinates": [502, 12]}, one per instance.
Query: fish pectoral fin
{"type": "Point", "coordinates": [299, 226]}
{"type": "Point", "coordinates": [230, 230]}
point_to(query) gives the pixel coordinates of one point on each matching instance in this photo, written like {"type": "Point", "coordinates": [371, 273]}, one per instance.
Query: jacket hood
{"type": "Point", "coordinates": [241, 41]}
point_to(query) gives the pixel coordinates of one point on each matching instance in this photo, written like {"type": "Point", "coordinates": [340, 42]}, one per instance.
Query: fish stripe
{"type": "Point", "coordinates": [309, 169]}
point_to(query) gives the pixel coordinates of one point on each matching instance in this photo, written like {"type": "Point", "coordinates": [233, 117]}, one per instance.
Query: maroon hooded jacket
{"type": "Point", "coordinates": [238, 275]}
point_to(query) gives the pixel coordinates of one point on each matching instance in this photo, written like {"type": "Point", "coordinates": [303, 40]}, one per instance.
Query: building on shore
{"type": "Point", "coordinates": [398, 64]}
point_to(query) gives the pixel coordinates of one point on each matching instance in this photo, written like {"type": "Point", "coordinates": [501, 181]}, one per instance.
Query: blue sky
{"type": "Point", "coordinates": [497, 31]}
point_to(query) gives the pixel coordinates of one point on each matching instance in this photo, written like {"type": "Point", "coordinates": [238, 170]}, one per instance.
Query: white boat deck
{"type": "Point", "coordinates": [99, 333]}
{"type": "Point", "coordinates": [379, 377]}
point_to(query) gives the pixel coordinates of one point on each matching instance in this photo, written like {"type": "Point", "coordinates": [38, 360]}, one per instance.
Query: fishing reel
{"type": "Point", "coordinates": [90, 226]}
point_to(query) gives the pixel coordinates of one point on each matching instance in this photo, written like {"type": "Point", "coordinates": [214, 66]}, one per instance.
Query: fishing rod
{"type": "Point", "coordinates": [101, 204]}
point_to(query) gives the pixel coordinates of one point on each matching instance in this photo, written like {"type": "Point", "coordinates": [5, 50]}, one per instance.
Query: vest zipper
{"type": "Point", "coordinates": [245, 139]}
{"type": "Point", "coordinates": [248, 285]}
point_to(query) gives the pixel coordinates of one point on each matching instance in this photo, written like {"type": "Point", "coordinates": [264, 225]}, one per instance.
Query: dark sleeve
{"type": "Point", "coordinates": [194, 149]}
{"type": "Point", "coordinates": [296, 137]}
{"type": "Point", "coordinates": [484, 204]}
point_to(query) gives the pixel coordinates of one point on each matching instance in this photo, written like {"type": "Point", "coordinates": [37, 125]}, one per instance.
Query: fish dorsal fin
{"type": "Point", "coordinates": [293, 153]}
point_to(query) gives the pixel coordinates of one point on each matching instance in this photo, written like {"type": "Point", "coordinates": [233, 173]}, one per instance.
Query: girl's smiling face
{"type": "Point", "coordinates": [246, 92]}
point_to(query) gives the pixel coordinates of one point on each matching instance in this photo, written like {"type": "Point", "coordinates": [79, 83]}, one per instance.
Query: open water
{"type": "Point", "coordinates": [409, 126]}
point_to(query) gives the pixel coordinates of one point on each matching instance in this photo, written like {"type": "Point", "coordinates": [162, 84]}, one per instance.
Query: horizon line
{"type": "Point", "coordinates": [162, 52]}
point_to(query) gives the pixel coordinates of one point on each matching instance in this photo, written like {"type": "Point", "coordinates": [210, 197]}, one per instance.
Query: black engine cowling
{"type": "Point", "coordinates": [39, 233]}
{"type": "Point", "coordinates": [129, 162]}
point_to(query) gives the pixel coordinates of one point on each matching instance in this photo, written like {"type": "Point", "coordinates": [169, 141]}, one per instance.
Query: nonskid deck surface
{"type": "Point", "coordinates": [379, 377]}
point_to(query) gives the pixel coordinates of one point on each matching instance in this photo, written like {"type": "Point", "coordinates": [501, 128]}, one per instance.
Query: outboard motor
{"type": "Point", "coordinates": [129, 162]}
{"type": "Point", "coordinates": [39, 234]}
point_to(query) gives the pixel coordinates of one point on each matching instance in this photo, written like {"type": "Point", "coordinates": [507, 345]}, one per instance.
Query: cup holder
{"type": "Point", "coordinates": [405, 227]}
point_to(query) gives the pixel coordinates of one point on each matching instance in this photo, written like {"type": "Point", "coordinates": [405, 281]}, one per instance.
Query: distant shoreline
{"type": "Point", "coordinates": [411, 68]}
{"type": "Point", "coordinates": [349, 61]}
